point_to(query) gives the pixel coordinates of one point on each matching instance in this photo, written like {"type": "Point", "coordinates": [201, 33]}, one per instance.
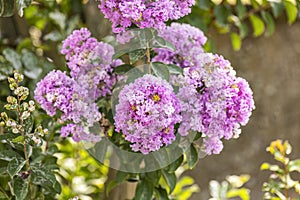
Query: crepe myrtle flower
{"type": "Point", "coordinates": [92, 60]}
{"type": "Point", "coordinates": [143, 13]}
{"type": "Point", "coordinates": [214, 101]}
{"type": "Point", "coordinates": [188, 42]}
{"type": "Point", "coordinates": [146, 113]}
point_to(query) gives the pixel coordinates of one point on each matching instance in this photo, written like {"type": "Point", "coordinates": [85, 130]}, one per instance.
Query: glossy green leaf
{"type": "Point", "coordinates": [192, 156]}
{"type": "Point", "coordinates": [236, 41]}
{"type": "Point", "coordinates": [257, 24]}
{"type": "Point", "coordinates": [144, 190]}
{"type": "Point", "coordinates": [31, 63]}
{"type": "Point", "coordinates": [20, 188]}
{"type": "Point", "coordinates": [15, 166]}
{"type": "Point", "coordinates": [59, 19]}
{"type": "Point", "coordinates": [170, 179]}
{"type": "Point", "coordinates": [160, 70]}
{"type": "Point", "coordinates": [7, 8]}
{"type": "Point", "coordinates": [291, 11]}
{"type": "Point", "coordinates": [267, 17]}
{"type": "Point", "coordinates": [21, 4]}
{"type": "Point", "coordinates": [153, 177]}
{"type": "Point", "coordinates": [13, 57]}
{"type": "Point", "coordinates": [162, 43]}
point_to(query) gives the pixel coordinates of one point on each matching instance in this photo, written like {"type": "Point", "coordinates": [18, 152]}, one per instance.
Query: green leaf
{"type": "Point", "coordinates": [15, 166]}
{"type": "Point", "coordinates": [277, 8]}
{"type": "Point", "coordinates": [144, 190]}
{"type": "Point", "coordinates": [160, 70]}
{"type": "Point", "coordinates": [21, 4]}
{"type": "Point", "coordinates": [123, 69]}
{"type": "Point", "coordinates": [59, 19]}
{"type": "Point", "coordinates": [269, 22]}
{"type": "Point", "coordinates": [174, 69]}
{"type": "Point", "coordinates": [31, 63]}
{"type": "Point", "coordinates": [20, 188]}
{"type": "Point", "coordinates": [170, 179]}
{"type": "Point", "coordinates": [7, 8]}
{"type": "Point", "coordinates": [221, 12]}
{"type": "Point", "coordinates": [192, 156]}
{"type": "Point", "coordinates": [243, 29]}
{"type": "Point", "coordinates": [9, 155]}
{"type": "Point", "coordinates": [162, 43]}
{"type": "Point", "coordinates": [45, 178]}
{"type": "Point", "coordinates": [53, 36]}
{"type": "Point", "coordinates": [291, 11]}
{"type": "Point", "coordinates": [174, 165]}
{"type": "Point", "coordinates": [18, 139]}
{"type": "Point", "coordinates": [265, 166]}
{"type": "Point", "coordinates": [240, 9]}
{"type": "Point", "coordinates": [162, 193]}
{"type": "Point", "coordinates": [205, 4]}
{"type": "Point", "coordinates": [136, 55]}
{"type": "Point", "coordinates": [13, 57]}
{"type": "Point", "coordinates": [257, 24]}
{"type": "Point", "coordinates": [236, 41]}
{"type": "Point", "coordinates": [153, 177]}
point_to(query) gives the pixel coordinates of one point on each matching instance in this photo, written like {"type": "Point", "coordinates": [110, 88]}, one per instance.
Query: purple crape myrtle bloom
{"type": "Point", "coordinates": [91, 59]}
{"type": "Point", "coordinates": [214, 101]}
{"type": "Point", "coordinates": [143, 13]}
{"type": "Point", "coordinates": [188, 42]}
{"type": "Point", "coordinates": [78, 133]}
{"type": "Point", "coordinates": [146, 113]}
{"type": "Point", "coordinates": [55, 92]}
{"type": "Point", "coordinates": [58, 92]}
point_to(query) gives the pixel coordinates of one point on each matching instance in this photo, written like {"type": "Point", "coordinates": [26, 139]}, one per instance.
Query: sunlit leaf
{"type": "Point", "coordinates": [269, 23]}
{"type": "Point", "coordinates": [236, 41]}
{"type": "Point", "coordinates": [291, 11]}
{"type": "Point", "coordinates": [21, 4]}
{"type": "Point", "coordinates": [257, 24]}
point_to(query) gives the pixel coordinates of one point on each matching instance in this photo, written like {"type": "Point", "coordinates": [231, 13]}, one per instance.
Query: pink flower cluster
{"type": "Point", "coordinates": [147, 112]}
{"type": "Point", "coordinates": [143, 13]}
{"type": "Point", "coordinates": [214, 101]}
{"type": "Point", "coordinates": [91, 65]}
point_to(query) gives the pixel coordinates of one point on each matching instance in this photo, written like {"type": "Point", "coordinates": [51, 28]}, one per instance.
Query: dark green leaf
{"type": "Point", "coordinates": [136, 55]}
{"type": "Point", "coordinates": [153, 177]}
{"type": "Point", "coordinates": [255, 4]}
{"type": "Point", "coordinates": [236, 41]}
{"type": "Point", "coordinates": [121, 176]}
{"type": "Point", "coordinates": [221, 12]}
{"type": "Point", "coordinates": [205, 4]}
{"type": "Point", "coordinates": [144, 190]}
{"type": "Point", "coordinates": [240, 9]}
{"type": "Point", "coordinates": [174, 165]}
{"type": "Point", "coordinates": [15, 166]}
{"type": "Point", "coordinates": [269, 22]}
{"type": "Point", "coordinates": [257, 24]}
{"type": "Point", "coordinates": [21, 4]}
{"type": "Point", "coordinates": [7, 8]}
{"type": "Point", "coordinates": [13, 57]}
{"type": "Point", "coordinates": [170, 179]}
{"type": "Point", "coordinates": [8, 155]}
{"type": "Point", "coordinates": [20, 188]}
{"type": "Point", "coordinates": [160, 70]}
{"type": "Point", "coordinates": [45, 178]}
{"type": "Point", "coordinates": [277, 8]}
{"type": "Point", "coordinates": [54, 36]}
{"type": "Point", "coordinates": [192, 156]}
{"type": "Point", "coordinates": [162, 194]}
{"type": "Point", "coordinates": [291, 11]}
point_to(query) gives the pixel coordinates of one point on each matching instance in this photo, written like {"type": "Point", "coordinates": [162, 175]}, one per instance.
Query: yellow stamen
{"type": "Point", "coordinates": [156, 98]}
{"type": "Point", "coordinates": [167, 130]}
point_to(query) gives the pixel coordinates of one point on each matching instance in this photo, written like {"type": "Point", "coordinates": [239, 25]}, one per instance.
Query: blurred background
{"type": "Point", "coordinates": [270, 64]}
